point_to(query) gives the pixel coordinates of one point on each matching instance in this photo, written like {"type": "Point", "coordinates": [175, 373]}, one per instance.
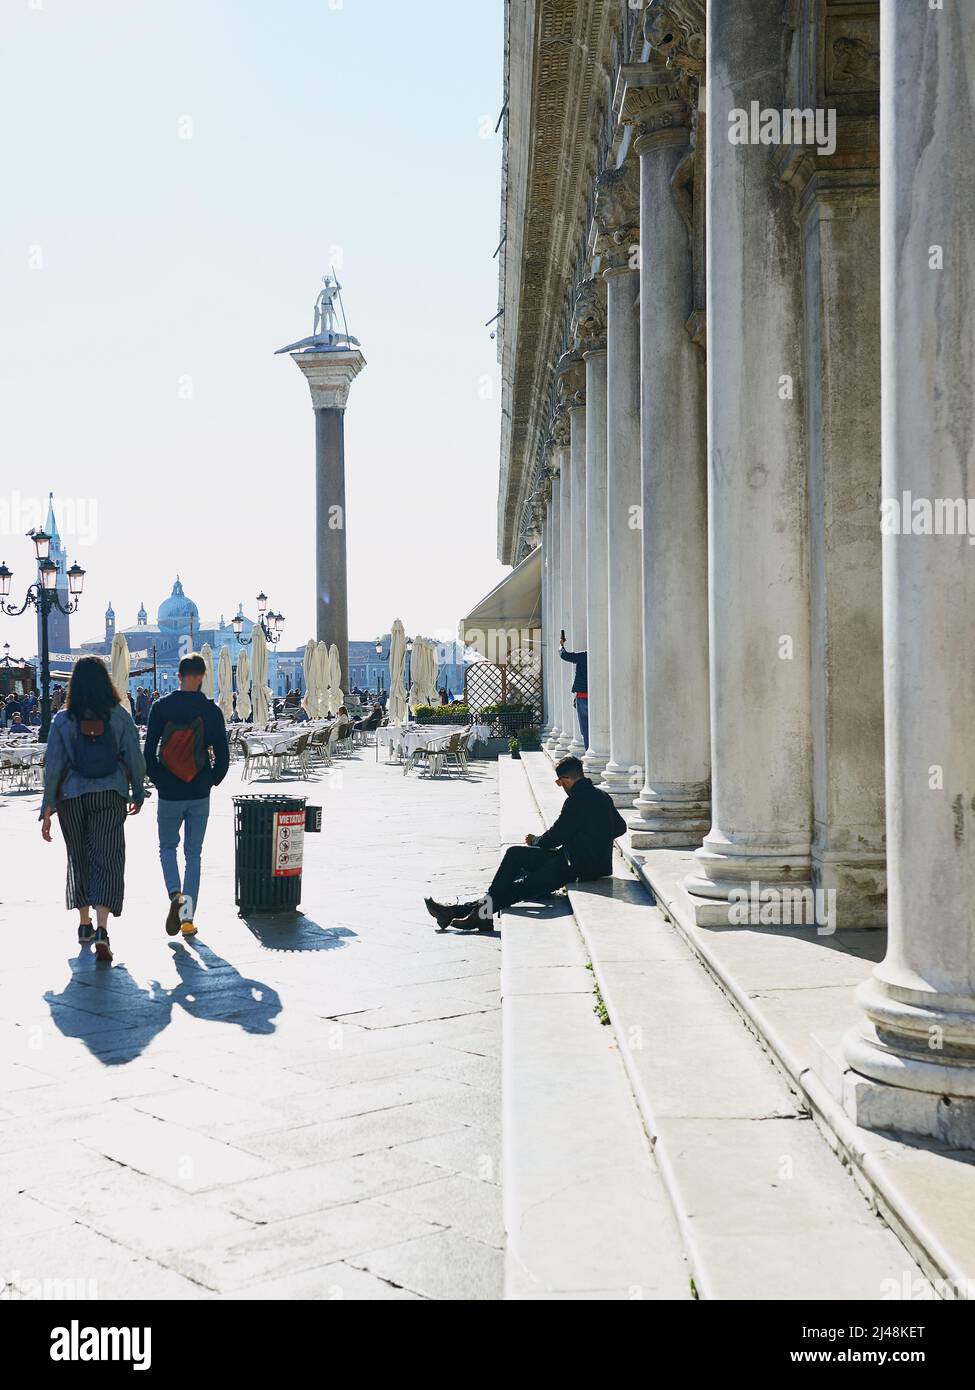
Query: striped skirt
{"type": "Point", "coordinates": [93, 827]}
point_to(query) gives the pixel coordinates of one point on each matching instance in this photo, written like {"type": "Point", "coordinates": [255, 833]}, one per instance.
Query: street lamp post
{"type": "Point", "coordinates": [43, 596]}
{"type": "Point", "coordinates": [379, 653]}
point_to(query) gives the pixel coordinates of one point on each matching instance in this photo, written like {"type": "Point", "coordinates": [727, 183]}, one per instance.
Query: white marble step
{"type": "Point", "coordinates": [586, 1213]}
{"type": "Point", "coordinates": [764, 1208]}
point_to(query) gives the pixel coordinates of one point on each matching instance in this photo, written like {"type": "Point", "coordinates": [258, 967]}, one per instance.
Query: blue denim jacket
{"type": "Point", "coordinates": [58, 759]}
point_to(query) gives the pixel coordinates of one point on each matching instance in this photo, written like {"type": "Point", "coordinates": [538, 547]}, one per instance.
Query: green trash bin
{"type": "Point", "coordinates": [269, 834]}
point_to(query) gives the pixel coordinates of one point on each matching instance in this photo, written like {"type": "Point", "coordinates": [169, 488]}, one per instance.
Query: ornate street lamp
{"type": "Point", "coordinates": [43, 596]}
{"type": "Point", "coordinates": [271, 623]}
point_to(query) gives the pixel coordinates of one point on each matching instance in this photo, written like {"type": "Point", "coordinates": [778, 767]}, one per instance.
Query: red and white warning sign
{"type": "Point", "coordinates": [289, 843]}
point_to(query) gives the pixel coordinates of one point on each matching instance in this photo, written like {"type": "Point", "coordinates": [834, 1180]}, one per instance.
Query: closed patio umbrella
{"type": "Point", "coordinates": [321, 680]}
{"type": "Point", "coordinates": [225, 679]}
{"type": "Point", "coordinates": [259, 687]}
{"type": "Point", "coordinates": [206, 651]}
{"type": "Point", "coordinates": [309, 701]}
{"type": "Point", "coordinates": [243, 686]}
{"type": "Point", "coordinates": [335, 696]}
{"type": "Point", "coordinates": [396, 705]}
{"type": "Point", "coordinates": [120, 666]}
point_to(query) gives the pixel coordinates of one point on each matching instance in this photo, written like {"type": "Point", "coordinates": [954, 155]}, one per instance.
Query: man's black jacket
{"type": "Point", "coordinates": [586, 829]}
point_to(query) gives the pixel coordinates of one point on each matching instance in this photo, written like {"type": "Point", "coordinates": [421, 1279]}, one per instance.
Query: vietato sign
{"type": "Point", "coordinates": [288, 842]}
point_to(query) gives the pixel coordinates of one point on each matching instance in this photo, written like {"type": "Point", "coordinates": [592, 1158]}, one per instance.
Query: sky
{"type": "Point", "coordinates": [178, 177]}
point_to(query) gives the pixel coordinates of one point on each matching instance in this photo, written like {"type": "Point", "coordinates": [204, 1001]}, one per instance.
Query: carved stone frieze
{"type": "Point", "coordinates": [675, 30]}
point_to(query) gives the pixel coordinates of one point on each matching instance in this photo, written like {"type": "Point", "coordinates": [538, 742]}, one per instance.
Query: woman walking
{"type": "Point", "coordinates": [93, 767]}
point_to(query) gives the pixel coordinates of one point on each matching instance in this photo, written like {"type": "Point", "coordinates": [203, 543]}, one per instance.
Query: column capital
{"type": "Point", "coordinates": [589, 315]}
{"type": "Point", "coordinates": [617, 216]}
{"type": "Point", "coordinates": [329, 373]}
{"type": "Point", "coordinates": [571, 376]}
{"type": "Point", "coordinates": [656, 102]}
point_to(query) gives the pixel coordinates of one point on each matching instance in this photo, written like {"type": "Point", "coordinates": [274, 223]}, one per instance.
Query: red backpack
{"type": "Point", "coordinates": [183, 749]}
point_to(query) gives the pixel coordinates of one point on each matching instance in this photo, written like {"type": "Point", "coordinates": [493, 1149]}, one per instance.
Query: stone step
{"type": "Point", "coordinates": [763, 1207]}
{"type": "Point", "coordinates": [586, 1213]}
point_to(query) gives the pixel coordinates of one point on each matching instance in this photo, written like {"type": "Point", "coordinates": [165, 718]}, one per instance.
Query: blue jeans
{"type": "Point", "coordinates": [582, 710]}
{"type": "Point", "coordinates": [191, 817]}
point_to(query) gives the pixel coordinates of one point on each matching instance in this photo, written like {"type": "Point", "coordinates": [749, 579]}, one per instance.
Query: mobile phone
{"type": "Point", "coordinates": [562, 637]}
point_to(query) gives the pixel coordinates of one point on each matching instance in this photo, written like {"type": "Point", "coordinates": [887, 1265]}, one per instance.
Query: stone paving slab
{"type": "Point", "coordinates": [255, 1112]}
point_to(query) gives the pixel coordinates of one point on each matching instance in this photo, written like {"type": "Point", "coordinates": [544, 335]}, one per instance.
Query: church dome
{"type": "Point", "coordinates": [177, 612]}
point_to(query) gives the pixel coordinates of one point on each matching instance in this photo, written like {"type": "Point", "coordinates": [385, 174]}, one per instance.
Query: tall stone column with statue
{"type": "Point", "coordinates": [330, 360]}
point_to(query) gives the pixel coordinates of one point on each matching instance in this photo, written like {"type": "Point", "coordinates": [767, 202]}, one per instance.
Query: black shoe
{"type": "Point", "coordinates": [172, 917]}
{"type": "Point", "coordinates": [103, 950]}
{"type": "Point", "coordinates": [86, 933]}
{"type": "Point", "coordinates": [441, 915]}
{"type": "Point", "coordinates": [477, 919]}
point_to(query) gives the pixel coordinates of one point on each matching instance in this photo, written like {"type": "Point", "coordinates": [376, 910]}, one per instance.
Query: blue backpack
{"type": "Point", "coordinates": [95, 752]}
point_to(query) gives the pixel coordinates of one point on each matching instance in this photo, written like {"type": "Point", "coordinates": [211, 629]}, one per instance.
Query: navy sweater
{"type": "Point", "coordinates": [181, 707]}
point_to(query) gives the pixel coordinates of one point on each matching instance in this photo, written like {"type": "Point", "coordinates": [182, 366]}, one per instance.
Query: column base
{"type": "Point", "coordinates": [875, 1105]}
{"type": "Point", "coordinates": [857, 884]}
{"type": "Point", "coordinates": [620, 782]}
{"type": "Point", "coordinates": [593, 764]}
{"type": "Point", "coordinates": [576, 748]}
{"type": "Point", "coordinates": [675, 817]}
{"type": "Point", "coordinates": [563, 745]}
{"type": "Point", "coordinates": [753, 885]}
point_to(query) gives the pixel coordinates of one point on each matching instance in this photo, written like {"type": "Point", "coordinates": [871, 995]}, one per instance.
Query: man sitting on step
{"type": "Point", "coordinates": [579, 846]}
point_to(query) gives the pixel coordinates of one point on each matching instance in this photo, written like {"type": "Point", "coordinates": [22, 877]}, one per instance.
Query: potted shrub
{"type": "Point", "coordinates": [514, 747]}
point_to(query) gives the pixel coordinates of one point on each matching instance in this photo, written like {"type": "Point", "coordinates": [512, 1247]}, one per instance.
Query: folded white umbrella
{"type": "Point", "coordinates": [309, 702]}
{"type": "Point", "coordinates": [206, 651]}
{"type": "Point", "coordinates": [428, 683]}
{"type": "Point", "coordinates": [225, 679]}
{"type": "Point", "coordinates": [321, 679]}
{"type": "Point", "coordinates": [243, 686]}
{"type": "Point", "coordinates": [259, 686]}
{"type": "Point", "coordinates": [120, 666]}
{"type": "Point", "coordinates": [396, 706]}
{"type": "Point", "coordinates": [335, 696]}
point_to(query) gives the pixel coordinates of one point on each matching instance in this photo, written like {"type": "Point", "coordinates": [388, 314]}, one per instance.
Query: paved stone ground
{"type": "Point", "coordinates": [275, 1110]}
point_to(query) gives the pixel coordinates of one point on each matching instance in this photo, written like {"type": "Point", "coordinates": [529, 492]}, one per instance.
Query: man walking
{"type": "Point", "coordinates": [580, 689]}
{"type": "Point", "coordinates": [579, 846]}
{"type": "Point", "coordinates": [186, 756]}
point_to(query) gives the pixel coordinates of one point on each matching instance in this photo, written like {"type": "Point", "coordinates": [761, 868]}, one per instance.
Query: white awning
{"type": "Point", "coordinates": [508, 619]}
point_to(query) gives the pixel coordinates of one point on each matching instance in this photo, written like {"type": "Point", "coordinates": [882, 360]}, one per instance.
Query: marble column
{"type": "Point", "coordinates": [577, 633]}
{"type": "Point", "coordinates": [673, 806]}
{"type": "Point", "coordinates": [838, 207]}
{"type": "Point", "coordinates": [917, 1039]}
{"type": "Point", "coordinates": [757, 503]}
{"type": "Point", "coordinates": [623, 776]}
{"type": "Point", "coordinates": [566, 557]}
{"type": "Point", "coordinates": [590, 330]}
{"type": "Point", "coordinates": [550, 588]}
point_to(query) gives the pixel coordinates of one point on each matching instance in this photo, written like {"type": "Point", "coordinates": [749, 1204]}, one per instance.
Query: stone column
{"type": "Point", "coordinates": [577, 633]}
{"type": "Point", "coordinates": [917, 1041]}
{"type": "Point", "coordinates": [673, 806]}
{"type": "Point", "coordinates": [617, 212]}
{"type": "Point", "coordinates": [561, 431]}
{"type": "Point", "coordinates": [330, 372]}
{"type": "Point", "coordinates": [590, 331]}
{"type": "Point", "coordinates": [549, 581]}
{"type": "Point", "coordinates": [838, 205]}
{"type": "Point", "coordinates": [553, 608]}
{"type": "Point", "coordinates": [757, 507]}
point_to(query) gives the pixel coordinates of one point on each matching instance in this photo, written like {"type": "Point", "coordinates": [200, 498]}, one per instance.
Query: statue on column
{"type": "Point", "coordinates": [325, 318]}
